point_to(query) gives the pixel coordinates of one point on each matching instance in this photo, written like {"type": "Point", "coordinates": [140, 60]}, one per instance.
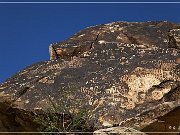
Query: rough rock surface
{"type": "Point", "coordinates": [119, 74]}
{"type": "Point", "coordinates": [118, 131]}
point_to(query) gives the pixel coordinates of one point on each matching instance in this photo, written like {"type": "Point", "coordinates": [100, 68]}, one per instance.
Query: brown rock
{"type": "Point", "coordinates": [118, 131]}
{"type": "Point", "coordinates": [124, 74]}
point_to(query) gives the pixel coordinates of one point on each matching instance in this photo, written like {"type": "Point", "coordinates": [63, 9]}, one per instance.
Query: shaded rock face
{"type": "Point", "coordinates": [167, 123]}
{"type": "Point", "coordinates": [119, 74]}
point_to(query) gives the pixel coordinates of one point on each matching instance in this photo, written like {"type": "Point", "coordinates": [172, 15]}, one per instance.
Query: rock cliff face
{"type": "Point", "coordinates": [117, 74]}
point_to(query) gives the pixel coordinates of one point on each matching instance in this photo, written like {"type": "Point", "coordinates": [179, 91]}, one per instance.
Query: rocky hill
{"type": "Point", "coordinates": [121, 74]}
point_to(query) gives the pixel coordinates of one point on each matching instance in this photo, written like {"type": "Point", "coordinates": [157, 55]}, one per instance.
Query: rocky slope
{"type": "Point", "coordinates": [118, 74]}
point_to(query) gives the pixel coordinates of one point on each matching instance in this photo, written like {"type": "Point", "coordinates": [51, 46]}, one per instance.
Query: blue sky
{"type": "Point", "coordinates": [26, 30]}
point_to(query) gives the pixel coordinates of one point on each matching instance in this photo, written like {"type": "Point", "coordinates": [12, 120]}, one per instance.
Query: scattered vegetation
{"type": "Point", "coordinates": [68, 116]}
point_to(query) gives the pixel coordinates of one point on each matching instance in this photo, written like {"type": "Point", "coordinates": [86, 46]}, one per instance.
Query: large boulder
{"type": "Point", "coordinates": [116, 74]}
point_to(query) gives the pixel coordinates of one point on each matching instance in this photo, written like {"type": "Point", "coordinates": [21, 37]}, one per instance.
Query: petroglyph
{"type": "Point", "coordinates": [122, 73]}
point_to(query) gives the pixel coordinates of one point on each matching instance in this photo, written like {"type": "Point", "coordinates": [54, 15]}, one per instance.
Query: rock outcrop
{"type": "Point", "coordinates": [118, 131]}
{"type": "Point", "coordinates": [118, 74]}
